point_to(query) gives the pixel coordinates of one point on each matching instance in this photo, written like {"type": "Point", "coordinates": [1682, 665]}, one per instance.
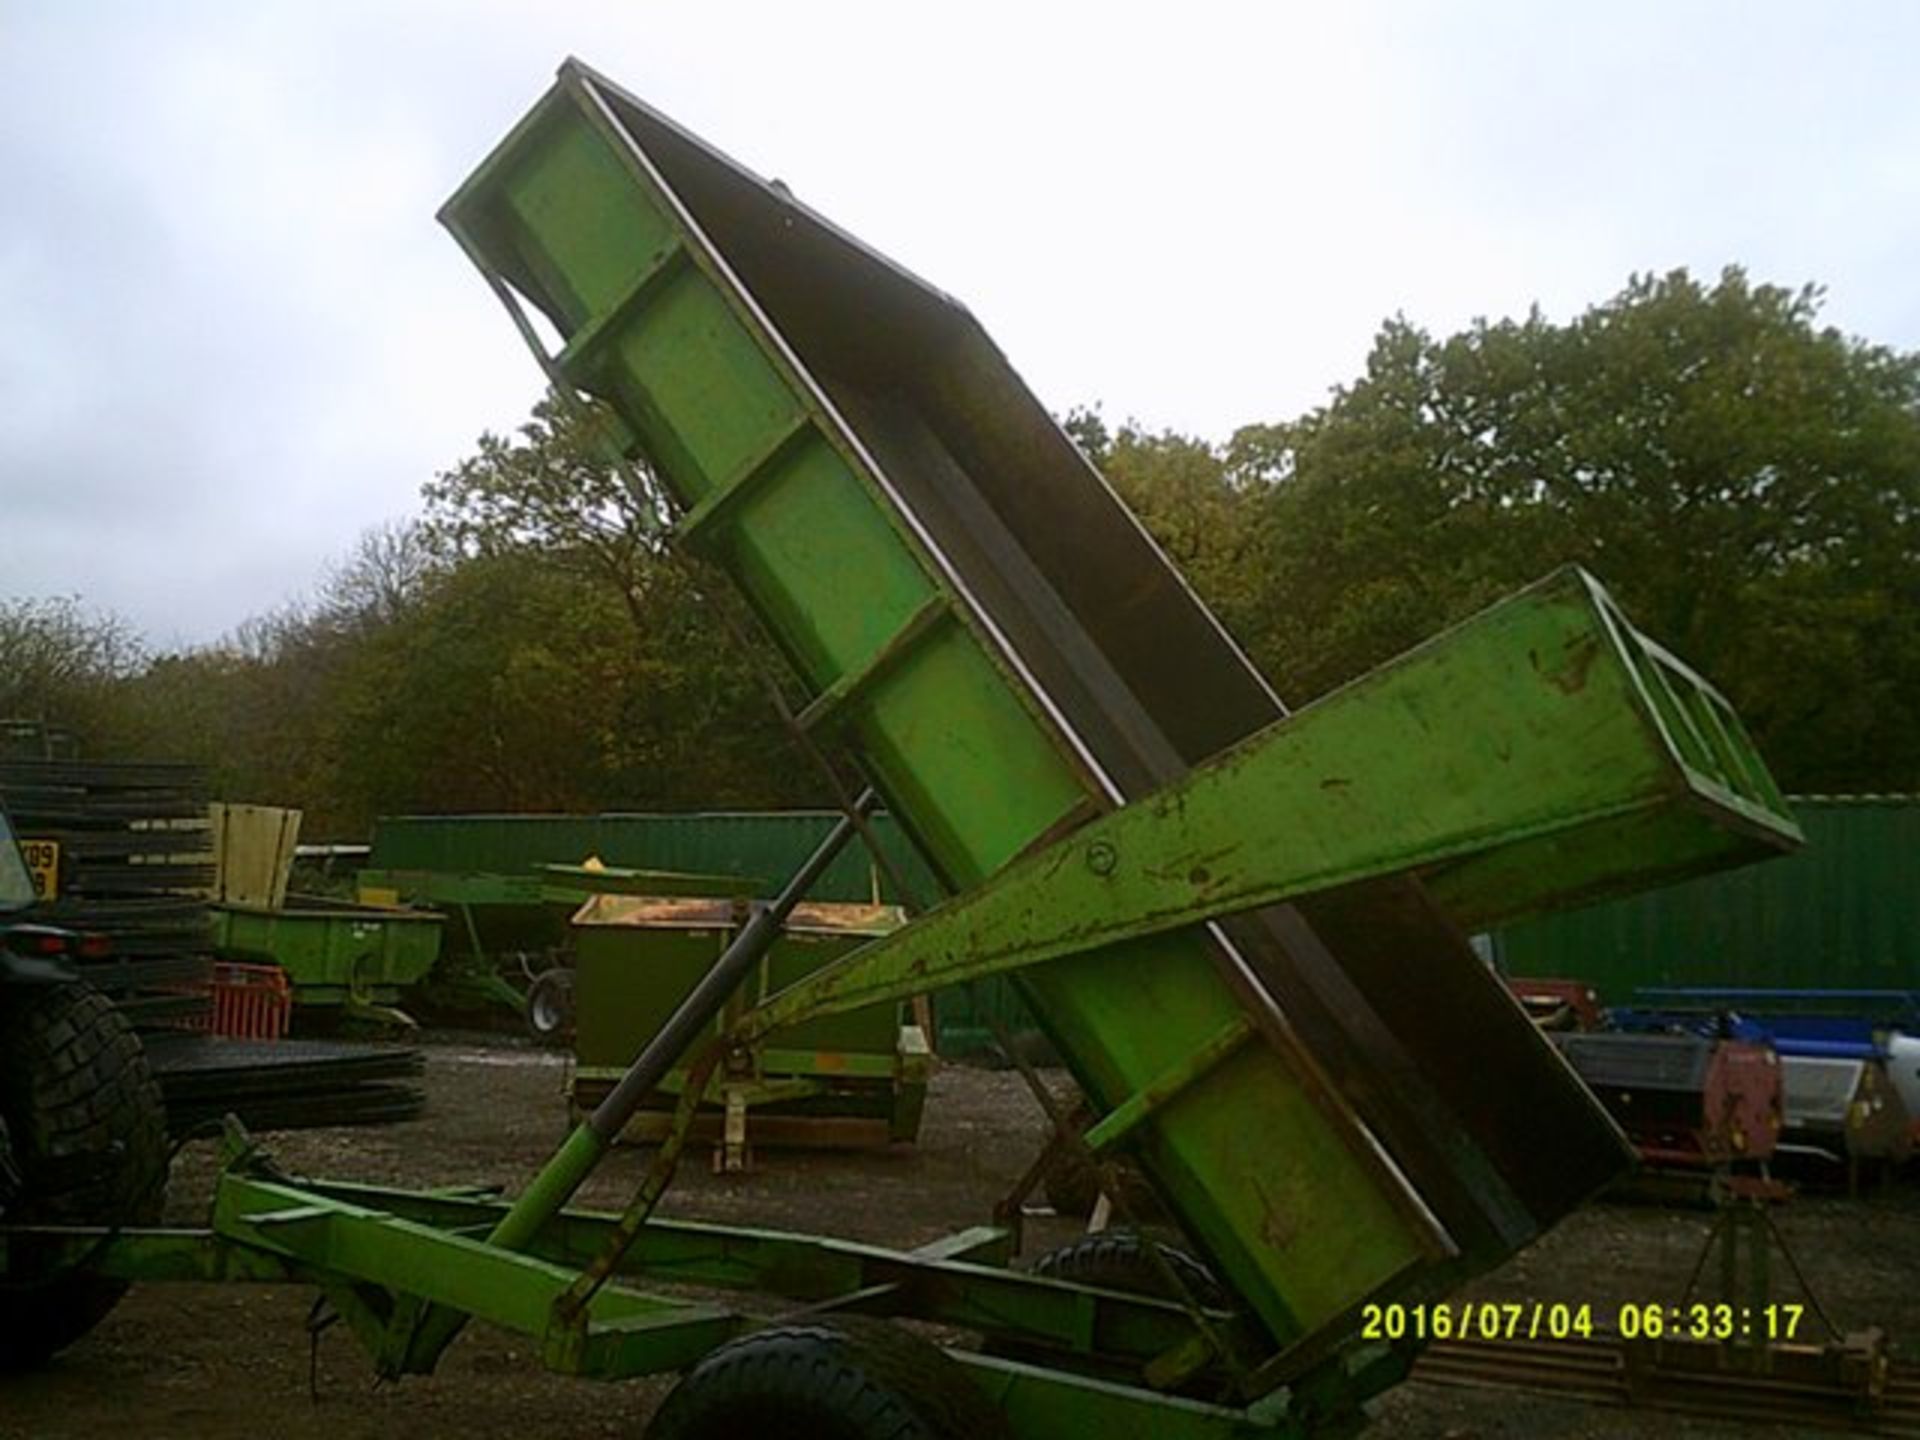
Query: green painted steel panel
{"type": "Point", "coordinates": [1841, 913]}
{"type": "Point", "coordinates": [632, 977]}
{"type": "Point", "coordinates": [627, 986]}
{"type": "Point", "coordinates": [333, 952]}
{"type": "Point", "coordinates": [573, 193]}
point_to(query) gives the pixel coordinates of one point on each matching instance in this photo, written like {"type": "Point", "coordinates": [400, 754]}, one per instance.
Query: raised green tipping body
{"type": "Point", "coordinates": [949, 730]}
{"type": "Point", "coordinates": [976, 617]}
{"type": "Point", "coordinates": [1242, 928]}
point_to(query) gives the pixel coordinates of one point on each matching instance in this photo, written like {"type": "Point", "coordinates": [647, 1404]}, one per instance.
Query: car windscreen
{"type": "Point", "coordinates": [16, 885]}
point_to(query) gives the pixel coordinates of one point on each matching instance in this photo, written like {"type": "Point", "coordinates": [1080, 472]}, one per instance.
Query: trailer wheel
{"type": "Point", "coordinates": [849, 1378]}
{"type": "Point", "coordinates": [1118, 1260]}
{"type": "Point", "coordinates": [550, 1006]}
{"type": "Point", "coordinates": [88, 1135]}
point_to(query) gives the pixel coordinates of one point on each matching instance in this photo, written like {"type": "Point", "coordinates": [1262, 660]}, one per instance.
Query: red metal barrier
{"type": "Point", "coordinates": [250, 1002]}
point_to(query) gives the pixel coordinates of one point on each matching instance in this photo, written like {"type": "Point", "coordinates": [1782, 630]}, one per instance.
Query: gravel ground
{"type": "Point", "coordinates": [220, 1362]}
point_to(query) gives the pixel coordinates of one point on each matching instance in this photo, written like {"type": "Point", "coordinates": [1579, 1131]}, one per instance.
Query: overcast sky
{"type": "Point", "coordinates": [232, 336]}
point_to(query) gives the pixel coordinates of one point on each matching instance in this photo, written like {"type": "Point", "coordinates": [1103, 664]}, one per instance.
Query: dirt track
{"type": "Point", "coordinates": [223, 1362]}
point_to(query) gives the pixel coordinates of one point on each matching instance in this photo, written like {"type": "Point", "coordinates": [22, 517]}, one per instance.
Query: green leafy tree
{"type": "Point", "coordinates": [700, 728]}
{"type": "Point", "coordinates": [1745, 480]}
{"type": "Point", "coordinates": [382, 577]}
{"type": "Point", "coordinates": [553, 489]}
{"type": "Point", "coordinates": [518, 685]}
{"type": "Point", "coordinates": [1188, 499]}
{"type": "Point", "coordinates": [60, 662]}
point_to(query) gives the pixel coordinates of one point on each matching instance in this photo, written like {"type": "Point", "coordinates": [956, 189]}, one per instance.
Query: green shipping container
{"type": "Point", "coordinates": [766, 846]}
{"type": "Point", "coordinates": [1841, 914]}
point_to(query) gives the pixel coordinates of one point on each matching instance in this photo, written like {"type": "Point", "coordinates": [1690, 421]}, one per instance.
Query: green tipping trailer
{"type": "Point", "coordinates": [466, 865]}
{"type": "Point", "coordinates": [1243, 929]}
{"type": "Point", "coordinates": [854, 1079]}
{"type": "Point", "coordinates": [353, 957]}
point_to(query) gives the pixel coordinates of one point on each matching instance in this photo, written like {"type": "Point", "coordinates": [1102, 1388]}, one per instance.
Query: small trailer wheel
{"type": "Point", "coordinates": [550, 1006]}
{"type": "Point", "coordinates": [850, 1377]}
{"type": "Point", "coordinates": [87, 1134]}
{"type": "Point", "coordinates": [1118, 1260]}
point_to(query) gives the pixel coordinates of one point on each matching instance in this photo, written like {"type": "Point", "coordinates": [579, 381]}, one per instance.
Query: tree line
{"type": "Point", "coordinates": [1744, 479]}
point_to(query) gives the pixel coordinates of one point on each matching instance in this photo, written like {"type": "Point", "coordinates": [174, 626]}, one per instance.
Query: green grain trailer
{"type": "Point", "coordinates": [855, 1079]}
{"type": "Point", "coordinates": [1243, 929]}
{"type": "Point", "coordinates": [338, 956]}
{"type": "Point", "coordinates": [442, 859]}
{"type": "Point", "coordinates": [490, 914]}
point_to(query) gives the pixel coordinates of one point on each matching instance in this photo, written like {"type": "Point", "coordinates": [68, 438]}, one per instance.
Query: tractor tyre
{"type": "Point", "coordinates": [87, 1135]}
{"type": "Point", "coordinates": [849, 1377]}
{"type": "Point", "coordinates": [550, 1006]}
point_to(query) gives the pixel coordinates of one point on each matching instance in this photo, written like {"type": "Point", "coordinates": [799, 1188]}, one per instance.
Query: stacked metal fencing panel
{"type": "Point", "coordinates": [125, 853]}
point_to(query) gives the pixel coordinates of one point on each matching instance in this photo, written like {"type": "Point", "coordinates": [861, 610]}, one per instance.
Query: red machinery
{"type": "Point", "coordinates": [1683, 1099]}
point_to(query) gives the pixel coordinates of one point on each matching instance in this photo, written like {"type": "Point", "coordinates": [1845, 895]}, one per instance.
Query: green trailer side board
{"type": "Point", "coordinates": [335, 954]}
{"type": "Point", "coordinates": [638, 966]}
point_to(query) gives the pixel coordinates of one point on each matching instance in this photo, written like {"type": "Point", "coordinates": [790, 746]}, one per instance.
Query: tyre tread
{"type": "Point", "coordinates": [862, 1378]}
{"type": "Point", "coordinates": [74, 1083]}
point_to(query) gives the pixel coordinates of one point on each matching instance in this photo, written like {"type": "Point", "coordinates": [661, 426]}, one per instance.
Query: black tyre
{"type": "Point", "coordinates": [848, 1378]}
{"type": "Point", "coordinates": [88, 1136]}
{"type": "Point", "coordinates": [1119, 1260]}
{"type": "Point", "coordinates": [550, 1006]}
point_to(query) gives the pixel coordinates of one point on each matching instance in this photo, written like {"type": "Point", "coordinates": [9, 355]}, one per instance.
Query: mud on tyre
{"type": "Point", "coordinates": [87, 1136]}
